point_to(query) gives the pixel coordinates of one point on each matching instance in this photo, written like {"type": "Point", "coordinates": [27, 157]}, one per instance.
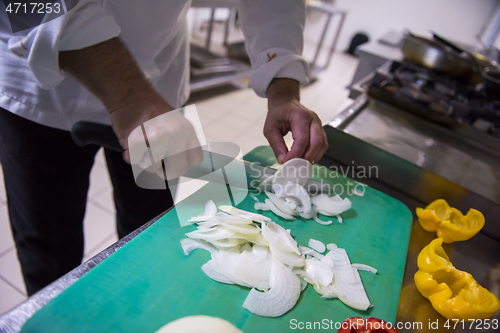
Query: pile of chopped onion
{"type": "Point", "coordinates": [250, 250]}
{"type": "Point", "coordinates": [289, 198]}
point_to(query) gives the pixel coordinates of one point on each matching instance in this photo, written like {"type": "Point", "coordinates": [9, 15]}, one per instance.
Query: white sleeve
{"type": "Point", "coordinates": [273, 32]}
{"type": "Point", "coordinates": [84, 25]}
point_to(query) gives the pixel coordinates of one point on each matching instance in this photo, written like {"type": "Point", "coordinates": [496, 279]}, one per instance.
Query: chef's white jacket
{"type": "Point", "coordinates": [34, 87]}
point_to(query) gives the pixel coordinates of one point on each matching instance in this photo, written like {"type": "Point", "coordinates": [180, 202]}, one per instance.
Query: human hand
{"type": "Point", "coordinates": [285, 113]}
{"type": "Point", "coordinates": [151, 133]}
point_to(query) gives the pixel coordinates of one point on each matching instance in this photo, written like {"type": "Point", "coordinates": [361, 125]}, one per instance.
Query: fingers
{"type": "Point", "coordinates": [274, 136]}
{"type": "Point", "coordinates": [300, 126]}
{"type": "Point", "coordinates": [318, 143]}
{"type": "Point", "coordinates": [310, 141]}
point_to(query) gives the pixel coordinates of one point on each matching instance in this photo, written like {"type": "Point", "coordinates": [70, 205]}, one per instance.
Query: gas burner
{"type": "Point", "coordinates": [435, 97]}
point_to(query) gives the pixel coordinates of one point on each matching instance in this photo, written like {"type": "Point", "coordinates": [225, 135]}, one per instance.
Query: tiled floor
{"type": "Point", "coordinates": [235, 116]}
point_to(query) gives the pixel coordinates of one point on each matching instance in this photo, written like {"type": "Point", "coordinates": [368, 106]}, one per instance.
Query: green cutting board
{"type": "Point", "coordinates": [150, 282]}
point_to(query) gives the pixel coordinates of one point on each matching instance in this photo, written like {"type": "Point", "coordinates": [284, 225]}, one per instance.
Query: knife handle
{"type": "Point", "coordinates": [86, 132]}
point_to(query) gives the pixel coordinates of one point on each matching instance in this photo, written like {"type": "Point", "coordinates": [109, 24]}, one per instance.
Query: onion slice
{"type": "Point", "coordinates": [280, 204]}
{"type": "Point", "coordinates": [363, 267]}
{"type": "Point", "coordinates": [319, 271]}
{"type": "Point", "coordinates": [277, 211]}
{"type": "Point", "coordinates": [282, 296]}
{"type": "Point", "coordinates": [189, 245]}
{"type": "Point", "coordinates": [314, 214]}
{"type": "Point", "coordinates": [316, 245]}
{"type": "Point", "coordinates": [331, 206]}
{"type": "Point", "coordinates": [296, 170]}
{"type": "Point", "coordinates": [260, 206]}
{"type": "Point", "coordinates": [279, 237]}
{"type": "Point", "coordinates": [347, 282]}
{"type": "Point", "coordinates": [244, 214]}
{"type": "Point", "coordinates": [210, 211]}
{"type": "Point", "coordinates": [215, 273]}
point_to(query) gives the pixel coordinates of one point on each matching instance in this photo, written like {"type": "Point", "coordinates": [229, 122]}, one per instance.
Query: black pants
{"type": "Point", "coordinates": [46, 179]}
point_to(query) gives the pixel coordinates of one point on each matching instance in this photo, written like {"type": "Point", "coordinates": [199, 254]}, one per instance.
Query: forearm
{"type": "Point", "coordinates": [282, 89]}
{"type": "Point", "coordinates": [109, 71]}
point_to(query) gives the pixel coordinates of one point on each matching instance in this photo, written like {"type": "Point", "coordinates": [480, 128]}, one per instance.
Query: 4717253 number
{"type": "Point", "coordinates": [472, 324]}
{"type": "Point", "coordinates": [33, 7]}
{"type": "Point", "coordinates": [26, 15]}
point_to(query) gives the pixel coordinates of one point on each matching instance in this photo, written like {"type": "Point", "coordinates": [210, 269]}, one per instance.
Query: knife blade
{"type": "Point", "coordinates": [85, 133]}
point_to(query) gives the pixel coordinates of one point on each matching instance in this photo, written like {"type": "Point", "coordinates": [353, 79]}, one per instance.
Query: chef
{"type": "Point", "coordinates": [121, 63]}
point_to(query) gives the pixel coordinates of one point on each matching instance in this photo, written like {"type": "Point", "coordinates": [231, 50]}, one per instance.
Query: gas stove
{"type": "Point", "coordinates": [435, 97]}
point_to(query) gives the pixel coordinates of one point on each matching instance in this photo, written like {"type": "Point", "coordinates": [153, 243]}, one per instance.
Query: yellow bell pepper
{"type": "Point", "coordinates": [449, 223]}
{"type": "Point", "coordinates": [453, 293]}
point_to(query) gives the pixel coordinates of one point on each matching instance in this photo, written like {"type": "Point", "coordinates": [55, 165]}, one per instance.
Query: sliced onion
{"type": "Point", "coordinates": [279, 190]}
{"type": "Point", "coordinates": [212, 271]}
{"type": "Point", "coordinates": [314, 214]}
{"type": "Point", "coordinates": [244, 214]}
{"type": "Point", "coordinates": [308, 278]}
{"type": "Point", "coordinates": [225, 243]}
{"type": "Point", "coordinates": [189, 245]}
{"type": "Point", "coordinates": [280, 204]}
{"type": "Point", "coordinates": [260, 251]}
{"type": "Point", "coordinates": [243, 228]}
{"type": "Point", "coordinates": [230, 219]}
{"type": "Point", "coordinates": [303, 284]}
{"type": "Point", "coordinates": [347, 282]}
{"type": "Point", "coordinates": [364, 267]}
{"type": "Point", "coordinates": [339, 218]}
{"type": "Point", "coordinates": [254, 270]}
{"type": "Point", "coordinates": [331, 205]}
{"type": "Point", "coordinates": [227, 260]}
{"type": "Point", "coordinates": [279, 237]}
{"type": "Point", "coordinates": [288, 258]}
{"type": "Point", "coordinates": [257, 239]}
{"type": "Point", "coordinates": [292, 203]}
{"type": "Point", "coordinates": [278, 212]}
{"type": "Point", "coordinates": [320, 272]}
{"type": "Point", "coordinates": [207, 224]}
{"type": "Point", "coordinates": [260, 206]}
{"type": "Point", "coordinates": [210, 211]}
{"type": "Point", "coordinates": [316, 245]}
{"type": "Point", "coordinates": [296, 170]}
{"type": "Point", "coordinates": [215, 233]}
{"type": "Point", "coordinates": [254, 197]}
{"type": "Point", "coordinates": [331, 246]}
{"type": "Point", "coordinates": [326, 291]}
{"type": "Point", "coordinates": [306, 250]}
{"type": "Point", "coordinates": [297, 191]}
{"type": "Point", "coordinates": [282, 296]}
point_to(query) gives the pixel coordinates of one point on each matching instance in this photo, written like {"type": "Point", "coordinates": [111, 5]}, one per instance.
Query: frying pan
{"type": "Point", "coordinates": [442, 58]}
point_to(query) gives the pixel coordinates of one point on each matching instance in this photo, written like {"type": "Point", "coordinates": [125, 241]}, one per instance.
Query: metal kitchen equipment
{"type": "Point", "coordinates": [432, 136]}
